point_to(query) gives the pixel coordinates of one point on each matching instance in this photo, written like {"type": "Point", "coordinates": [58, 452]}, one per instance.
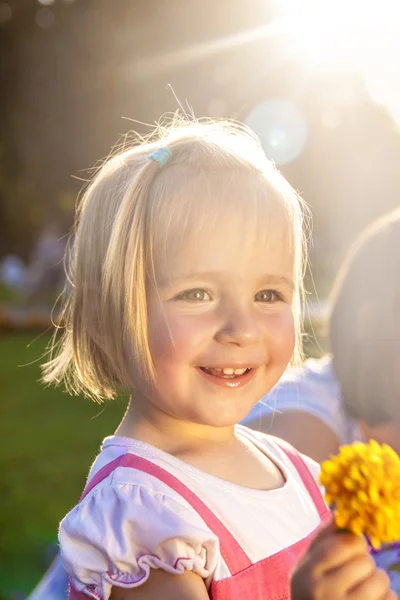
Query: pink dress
{"type": "Point", "coordinates": [231, 552]}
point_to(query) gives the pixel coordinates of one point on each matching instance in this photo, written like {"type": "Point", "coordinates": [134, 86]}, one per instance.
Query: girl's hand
{"type": "Point", "coordinates": [338, 566]}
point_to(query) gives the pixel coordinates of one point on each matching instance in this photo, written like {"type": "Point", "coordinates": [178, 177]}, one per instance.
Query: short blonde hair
{"type": "Point", "coordinates": [105, 308]}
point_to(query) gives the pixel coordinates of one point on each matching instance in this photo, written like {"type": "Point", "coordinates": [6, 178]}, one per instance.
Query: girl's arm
{"type": "Point", "coordinates": [161, 584]}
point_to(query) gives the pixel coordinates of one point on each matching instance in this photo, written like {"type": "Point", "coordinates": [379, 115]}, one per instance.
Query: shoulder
{"type": "Point", "coordinates": [280, 450]}
{"type": "Point", "coordinates": [272, 445]}
{"type": "Point", "coordinates": [316, 376]}
{"type": "Point", "coordinates": [134, 481]}
{"type": "Point", "coordinates": [129, 522]}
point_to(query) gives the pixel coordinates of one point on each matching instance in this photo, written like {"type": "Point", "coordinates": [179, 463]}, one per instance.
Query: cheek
{"type": "Point", "coordinates": [174, 338]}
{"type": "Point", "coordinates": [281, 334]}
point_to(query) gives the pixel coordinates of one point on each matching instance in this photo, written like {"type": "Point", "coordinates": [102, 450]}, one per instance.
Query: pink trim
{"type": "Point", "coordinates": [75, 594]}
{"type": "Point", "coordinates": [101, 475]}
{"type": "Point", "coordinates": [134, 581]}
{"type": "Point", "coordinates": [182, 558]}
{"type": "Point", "coordinates": [306, 477]}
{"type": "Point", "coordinates": [233, 554]}
{"type": "Point", "coordinates": [113, 578]}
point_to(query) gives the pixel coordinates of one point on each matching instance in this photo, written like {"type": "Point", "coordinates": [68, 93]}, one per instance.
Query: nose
{"type": "Point", "coordinates": [239, 327]}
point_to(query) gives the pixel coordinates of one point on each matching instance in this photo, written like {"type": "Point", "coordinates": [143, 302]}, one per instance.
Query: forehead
{"type": "Point", "coordinates": [223, 222]}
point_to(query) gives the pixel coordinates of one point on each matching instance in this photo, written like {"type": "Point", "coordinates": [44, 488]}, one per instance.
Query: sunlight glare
{"type": "Point", "coordinates": [361, 35]}
{"type": "Point", "coordinates": [341, 31]}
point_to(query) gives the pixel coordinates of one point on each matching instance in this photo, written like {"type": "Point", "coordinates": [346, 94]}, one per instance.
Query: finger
{"type": "Point", "coordinates": [351, 574]}
{"type": "Point", "coordinates": [375, 587]}
{"type": "Point", "coordinates": [323, 532]}
{"type": "Point", "coordinates": [335, 551]}
{"type": "Point", "coordinates": [391, 595]}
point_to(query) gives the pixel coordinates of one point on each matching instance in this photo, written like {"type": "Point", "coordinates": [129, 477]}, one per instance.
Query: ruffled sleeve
{"type": "Point", "coordinates": [118, 533]}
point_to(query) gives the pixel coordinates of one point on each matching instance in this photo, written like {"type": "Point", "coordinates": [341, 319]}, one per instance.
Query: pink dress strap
{"type": "Point", "coordinates": [231, 551]}
{"type": "Point", "coordinates": [306, 476]}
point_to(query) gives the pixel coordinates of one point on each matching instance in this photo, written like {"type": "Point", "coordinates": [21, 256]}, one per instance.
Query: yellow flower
{"type": "Point", "coordinates": [362, 486]}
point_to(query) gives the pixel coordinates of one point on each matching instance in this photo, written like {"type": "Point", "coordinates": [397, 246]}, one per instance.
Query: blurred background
{"type": "Point", "coordinates": [318, 81]}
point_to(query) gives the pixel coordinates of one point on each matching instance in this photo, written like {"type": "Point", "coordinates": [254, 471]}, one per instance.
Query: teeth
{"type": "Point", "coordinates": [231, 371]}
{"type": "Point", "coordinates": [240, 371]}
{"type": "Point", "coordinates": [228, 371]}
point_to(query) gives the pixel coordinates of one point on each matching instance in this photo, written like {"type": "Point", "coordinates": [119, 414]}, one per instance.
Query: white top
{"type": "Point", "coordinates": [132, 522]}
{"type": "Point", "coordinates": [314, 389]}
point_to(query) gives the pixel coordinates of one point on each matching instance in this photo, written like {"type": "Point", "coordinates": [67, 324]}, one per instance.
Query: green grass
{"type": "Point", "coordinates": [48, 441]}
{"type": "Point", "coordinates": [7, 294]}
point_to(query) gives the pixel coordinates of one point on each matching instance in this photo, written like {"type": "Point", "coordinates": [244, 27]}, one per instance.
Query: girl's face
{"type": "Point", "coordinates": [221, 328]}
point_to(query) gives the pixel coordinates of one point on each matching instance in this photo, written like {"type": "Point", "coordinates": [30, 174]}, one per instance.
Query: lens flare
{"type": "Point", "coordinates": [281, 127]}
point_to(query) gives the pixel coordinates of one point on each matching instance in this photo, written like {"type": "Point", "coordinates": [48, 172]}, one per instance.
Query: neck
{"type": "Point", "coordinates": [145, 422]}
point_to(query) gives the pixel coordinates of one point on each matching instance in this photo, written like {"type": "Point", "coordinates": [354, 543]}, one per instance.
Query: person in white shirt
{"type": "Point", "coordinates": [353, 393]}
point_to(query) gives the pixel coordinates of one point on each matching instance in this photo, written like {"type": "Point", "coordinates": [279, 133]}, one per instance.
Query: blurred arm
{"type": "Point", "coordinates": [308, 434]}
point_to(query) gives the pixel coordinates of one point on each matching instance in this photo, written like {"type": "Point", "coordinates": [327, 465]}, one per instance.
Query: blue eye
{"type": "Point", "coordinates": [268, 296]}
{"type": "Point", "coordinates": [195, 295]}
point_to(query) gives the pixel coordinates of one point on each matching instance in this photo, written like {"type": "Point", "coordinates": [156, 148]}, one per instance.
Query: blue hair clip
{"type": "Point", "coordinates": [161, 156]}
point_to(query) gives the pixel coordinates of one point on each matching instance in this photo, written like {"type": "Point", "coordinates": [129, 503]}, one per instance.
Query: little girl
{"type": "Point", "coordinates": [185, 290]}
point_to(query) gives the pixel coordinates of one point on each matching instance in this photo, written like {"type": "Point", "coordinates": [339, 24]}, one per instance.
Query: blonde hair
{"type": "Point", "coordinates": [105, 308]}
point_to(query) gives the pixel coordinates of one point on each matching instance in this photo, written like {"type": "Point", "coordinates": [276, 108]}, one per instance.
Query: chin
{"type": "Point", "coordinates": [225, 418]}
{"type": "Point", "coordinates": [225, 422]}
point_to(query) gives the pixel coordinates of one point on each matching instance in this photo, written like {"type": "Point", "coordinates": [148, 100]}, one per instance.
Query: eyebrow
{"type": "Point", "coordinates": [279, 280]}
{"type": "Point", "coordinates": [265, 279]}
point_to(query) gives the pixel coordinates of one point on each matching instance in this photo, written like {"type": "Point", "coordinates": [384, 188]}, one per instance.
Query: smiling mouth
{"type": "Point", "coordinates": [226, 372]}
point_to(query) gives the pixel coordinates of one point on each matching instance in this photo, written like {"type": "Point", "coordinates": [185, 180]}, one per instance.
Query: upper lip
{"type": "Point", "coordinates": [228, 365]}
